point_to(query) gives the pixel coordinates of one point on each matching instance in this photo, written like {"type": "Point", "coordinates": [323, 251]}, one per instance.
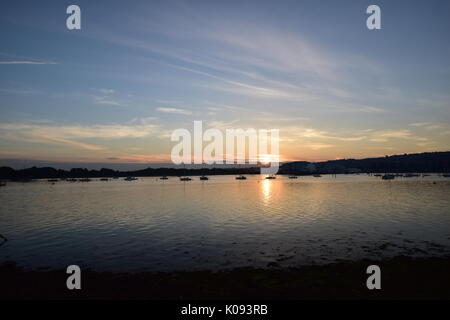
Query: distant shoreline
{"type": "Point", "coordinates": [431, 162]}
{"type": "Point", "coordinates": [402, 278]}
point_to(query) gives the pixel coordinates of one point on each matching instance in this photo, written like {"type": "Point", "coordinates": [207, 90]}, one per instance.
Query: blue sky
{"type": "Point", "coordinates": [114, 90]}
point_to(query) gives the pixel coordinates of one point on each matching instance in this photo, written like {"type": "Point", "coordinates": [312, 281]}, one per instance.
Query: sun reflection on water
{"type": "Point", "coordinates": [266, 191]}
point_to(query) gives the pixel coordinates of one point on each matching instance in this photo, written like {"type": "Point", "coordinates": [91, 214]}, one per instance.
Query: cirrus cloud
{"type": "Point", "coordinates": [174, 110]}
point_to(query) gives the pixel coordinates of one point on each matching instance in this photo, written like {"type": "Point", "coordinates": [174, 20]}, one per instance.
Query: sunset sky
{"type": "Point", "coordinates": [116, 89]}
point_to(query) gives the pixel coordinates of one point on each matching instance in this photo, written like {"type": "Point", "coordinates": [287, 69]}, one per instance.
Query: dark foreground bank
{"type": "Point", "coordinates": [401, 278]}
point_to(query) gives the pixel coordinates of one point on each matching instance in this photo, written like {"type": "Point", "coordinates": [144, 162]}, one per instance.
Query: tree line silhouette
{"type": "Point", "coordinates": [419, 162]}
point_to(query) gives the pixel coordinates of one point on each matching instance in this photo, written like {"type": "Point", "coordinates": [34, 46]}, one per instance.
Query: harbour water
{"type": "Point", "coordinates": [153, 224]}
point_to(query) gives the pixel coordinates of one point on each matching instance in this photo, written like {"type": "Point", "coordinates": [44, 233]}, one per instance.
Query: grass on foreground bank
{"type": "Point", "coordinates": [401, 278]}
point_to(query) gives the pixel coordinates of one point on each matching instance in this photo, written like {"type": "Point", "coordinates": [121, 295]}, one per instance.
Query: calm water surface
{"type": "Point", "coordinates": [151, 224]}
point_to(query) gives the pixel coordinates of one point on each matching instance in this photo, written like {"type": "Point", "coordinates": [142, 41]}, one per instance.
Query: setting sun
{"type": "Point", "coordinates": [268, 158]}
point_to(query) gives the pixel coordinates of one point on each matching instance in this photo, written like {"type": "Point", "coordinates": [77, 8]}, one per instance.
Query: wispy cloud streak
{"type": "Point", "coordinates": [27, 62]}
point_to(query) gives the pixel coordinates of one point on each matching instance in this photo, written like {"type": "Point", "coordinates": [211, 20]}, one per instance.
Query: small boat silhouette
{"type": "Point", "coordinates": [84, 180]}
{"type": "Point", "coordinates": [241, 178]}
{"type": "Point", "coordinates": [293, 177]}
{"type": "Point", "coordinates": [204, 178]}
{"type": "Point", "coordinates": [185, 179]}
{"type": "Point", "coordinates": [410, 175]}
{"type": "Point", "coordinates": [388, 177]}
{"type": "Point", "coordinates": [130, 179]}
{"type": "Point", "coordinates": [271, 177]}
